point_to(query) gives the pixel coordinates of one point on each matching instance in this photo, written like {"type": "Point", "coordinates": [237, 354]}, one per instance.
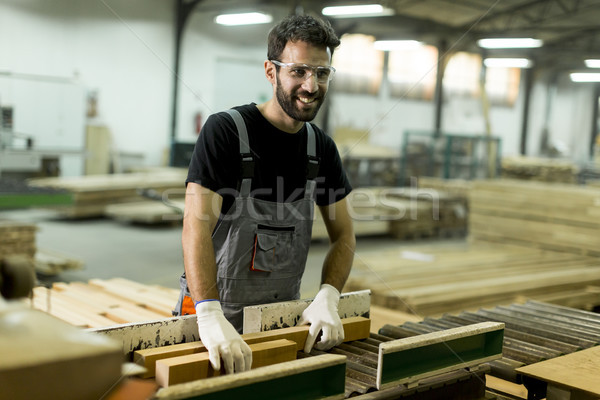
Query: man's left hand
{"type": "Point", "coordinates": [322, 315]}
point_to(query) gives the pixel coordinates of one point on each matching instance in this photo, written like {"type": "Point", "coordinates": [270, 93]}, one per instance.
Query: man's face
{"type": "Point", "coordinates": [301, 98]}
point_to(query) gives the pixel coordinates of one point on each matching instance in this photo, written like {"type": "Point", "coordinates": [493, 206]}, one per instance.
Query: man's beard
{"type": "Point", "coordinates": [288, 104]}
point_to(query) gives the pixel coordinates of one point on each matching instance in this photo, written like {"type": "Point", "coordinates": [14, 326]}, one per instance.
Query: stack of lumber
{"type": "Point", "coordinates": [101, 303]}
{"type": "Point", "coordinates": [17, 238]}
{"type": "Point", "coordinates": [405, 213]}
{"type": "Point", "coordinates": [453, 187]}
{"type": "Point", "coordinates": [370, 215]}
{"type": "Point", "coordinates": [432, 280]}
{"type": "Point", "coordinates": [146, 212]}
{"type": "Point", "coordinates": [432, 213]}
{"type": "Point", "coordinates": [556, 217]}
{"type": "Point", "coordinates": [539, 169]}
{"type": "Point", "coordinates": [91, 194]}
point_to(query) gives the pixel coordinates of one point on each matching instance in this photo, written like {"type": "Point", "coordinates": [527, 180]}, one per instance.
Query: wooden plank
{"type": "Point", "coordinates": [355, 328]}
{"type": "Point", "coordinates": [414, 358]}
{"type": "Point", "coordinates": [181, 369]}
{"type": "Point", "coordinates": [577, 371]}
{"type": "Point", "coordinates": [497, 385]}
{"type": "Point", "coordinates": [320, 377]}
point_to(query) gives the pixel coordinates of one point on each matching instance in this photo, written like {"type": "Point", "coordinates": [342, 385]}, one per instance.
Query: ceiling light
{"type": "Point", "coordinates": [388, 45]}
{"type": "Point", "coordinates": [508, 63]}
{"type": "Point", "coordinates": [243, 19]}
{"type": "Point", "coordinates": [592, 63]}
{"type": "Point", "coordinates": [510, 43]}
{"type": "Point", "coordinates": [366, 10]}
{"type": "Point", "coordinates": [585, 76]}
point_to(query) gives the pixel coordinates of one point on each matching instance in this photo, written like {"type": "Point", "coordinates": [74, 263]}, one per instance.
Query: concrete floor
{"type": "Point", "coordinates": [152, 254]}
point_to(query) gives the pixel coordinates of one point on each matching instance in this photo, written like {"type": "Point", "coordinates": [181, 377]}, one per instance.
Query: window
{"type": "Point", "coordinates": [502, 85]}
{"type": "Point", "coordinates": [463, 74]}
{"type": "Point", "coordinates": [412, 73]}
{"type": "Point", "coordinates": [359, 66]}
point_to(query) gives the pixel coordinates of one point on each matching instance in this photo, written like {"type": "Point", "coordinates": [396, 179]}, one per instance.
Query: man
{"type": "Point", "coordinates": [256, 173]}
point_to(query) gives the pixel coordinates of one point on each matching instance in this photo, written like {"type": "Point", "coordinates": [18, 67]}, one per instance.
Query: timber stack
{"type": "Point", "coordinates": [539, 169]}
{"type": "Point", "coordinates": [555, 217]}
{"type": "Point", "coordinates": [92, 194]}
{"type": "Point", "coordinates": [17, 238]}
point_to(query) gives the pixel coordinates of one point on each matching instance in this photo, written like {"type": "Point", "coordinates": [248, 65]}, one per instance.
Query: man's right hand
{"type": "Point", "coordinates": [221, 339]}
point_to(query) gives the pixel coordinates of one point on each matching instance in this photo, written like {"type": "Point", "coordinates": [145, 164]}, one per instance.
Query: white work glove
{"type": "Point", "coordinates": [221, 339]}
{"type": "Point", "coordinates": [322, 315]}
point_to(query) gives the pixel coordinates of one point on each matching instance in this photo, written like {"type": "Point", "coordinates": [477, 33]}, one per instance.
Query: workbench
{"type": "Point", "coordinates": [573, 376]}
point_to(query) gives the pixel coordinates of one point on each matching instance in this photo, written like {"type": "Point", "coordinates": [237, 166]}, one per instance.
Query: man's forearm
{"type": "Point", "coordinates": [338, 262]}
{"type": "Point", "coordinates": [199, 262]}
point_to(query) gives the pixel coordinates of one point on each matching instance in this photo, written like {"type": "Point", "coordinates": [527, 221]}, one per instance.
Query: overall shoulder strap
{"type": "Point", "coordinates": [247, 161]}
{"type": "Point", "coordinates": [312, 165]}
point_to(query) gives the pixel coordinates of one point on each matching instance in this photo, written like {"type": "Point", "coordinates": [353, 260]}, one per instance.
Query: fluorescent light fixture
{"type": "Point", "coordinates": [388, 45]}
{"type": "Point", "coordinates": [508, 63]}
{"type": "Point", "coordinates": [592, 63]}
{"type": "Point", "coordinates": [510, 43]}
{"type": "Point", "coordinates": [365, 10]}
{"type": "Point", "coordinates": [585, 76]}
{"type": "Point", "coordinates": [250, 18]}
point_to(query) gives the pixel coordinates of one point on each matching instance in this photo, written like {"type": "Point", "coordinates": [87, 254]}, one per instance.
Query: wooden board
{"type": "Point", "coordinates": [579, 371]}
{"type": "Point", "coordinates": [355, 328]}
{"type": "Point", "coordinates": [181, 369]}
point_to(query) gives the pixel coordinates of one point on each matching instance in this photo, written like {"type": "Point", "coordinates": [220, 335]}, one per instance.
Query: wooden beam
{"type": "Point", "coordinates": [414, 358]}
{"type": "Point", "coordinates": [355, 328]}
{"type": "Point", "coordinates": [171, 371]}
{"type": "Point", "coordinates": [320, 377]}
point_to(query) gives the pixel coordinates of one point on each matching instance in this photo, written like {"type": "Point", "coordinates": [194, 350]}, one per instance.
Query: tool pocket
{"type": "Point", "coordinates": [273, 248]}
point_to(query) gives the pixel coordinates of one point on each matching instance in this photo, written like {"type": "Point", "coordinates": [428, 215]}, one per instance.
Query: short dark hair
{"type": "Point", "coordinates": [303, 28]}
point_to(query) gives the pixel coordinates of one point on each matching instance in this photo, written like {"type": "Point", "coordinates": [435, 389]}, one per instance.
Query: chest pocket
{"type": "Point", "coordinates": [273, 249]}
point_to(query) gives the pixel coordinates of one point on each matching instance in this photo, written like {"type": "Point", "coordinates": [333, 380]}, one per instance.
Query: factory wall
{"type": "Point", "coordinates": [123, 52]}
{"type": "Point", "coordinates": [120, 50]}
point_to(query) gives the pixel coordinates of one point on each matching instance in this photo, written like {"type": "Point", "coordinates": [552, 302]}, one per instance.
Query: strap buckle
{"type": "Point", "coordinates": [312, 167]}
{"type": "Point", "coordinates": [247, 165]}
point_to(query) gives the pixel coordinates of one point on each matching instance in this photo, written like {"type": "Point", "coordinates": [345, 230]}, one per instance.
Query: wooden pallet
{"type": "Point", "coordinates": [534, 214]}
{"type": "Point", "coordinates": [430, 281]}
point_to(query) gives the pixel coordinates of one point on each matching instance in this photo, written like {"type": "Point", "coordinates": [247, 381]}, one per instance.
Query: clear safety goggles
{"type": "Point", "coordinates": [302, 72]}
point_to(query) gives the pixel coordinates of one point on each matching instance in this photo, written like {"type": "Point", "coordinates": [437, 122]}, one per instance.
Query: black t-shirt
{"type": "Point", "coordinates": [280, 161]}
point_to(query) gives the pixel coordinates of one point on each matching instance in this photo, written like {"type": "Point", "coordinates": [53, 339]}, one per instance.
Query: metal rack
{"type": "Point", "coordinates": [449, 156]}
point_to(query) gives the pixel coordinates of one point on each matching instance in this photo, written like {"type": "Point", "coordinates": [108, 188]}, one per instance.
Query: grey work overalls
{"type": "Point", "coordinates": [260, 246]}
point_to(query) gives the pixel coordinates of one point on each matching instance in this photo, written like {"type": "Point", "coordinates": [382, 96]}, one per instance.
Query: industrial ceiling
{"type": "Point", "coordinates": [570, 28]}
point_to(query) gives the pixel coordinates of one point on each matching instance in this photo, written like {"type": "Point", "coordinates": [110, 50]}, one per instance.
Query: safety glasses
{"type": "Point", "coordinates": [302, 72]}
